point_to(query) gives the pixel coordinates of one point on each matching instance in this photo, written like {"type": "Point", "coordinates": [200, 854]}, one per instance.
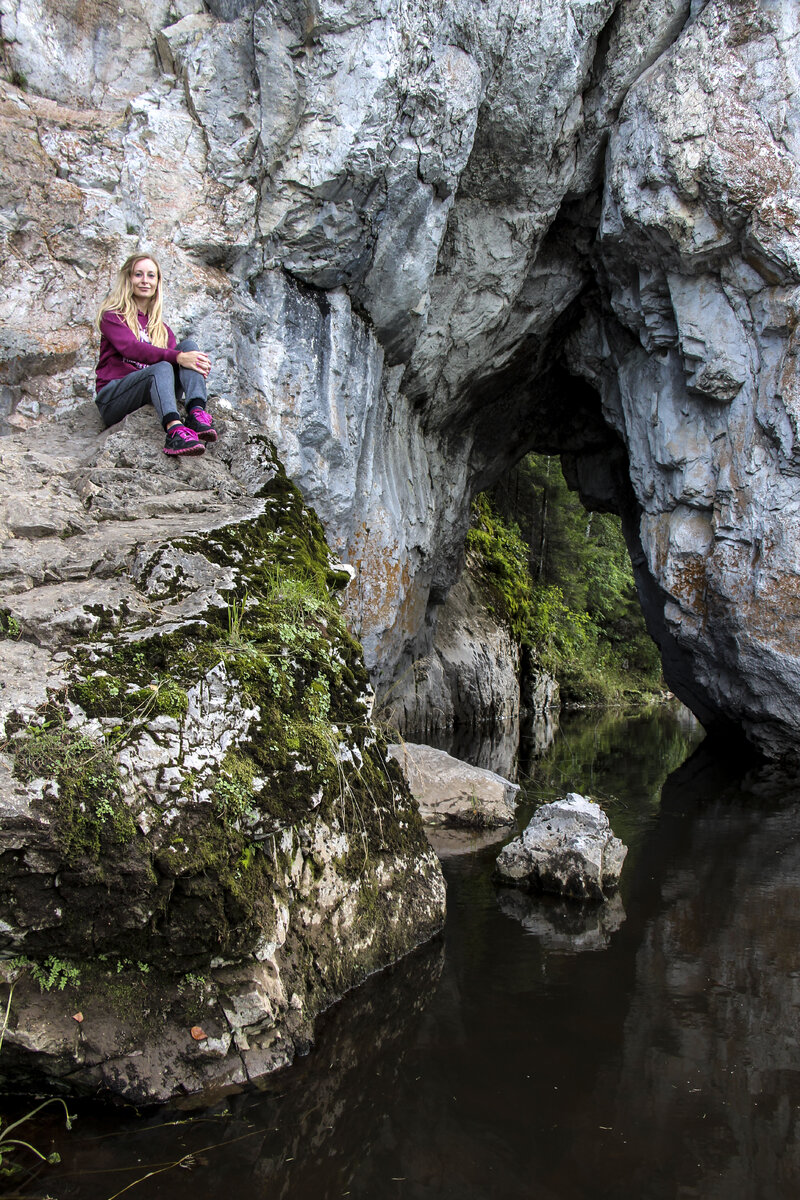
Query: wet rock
{"type": "Point", "coordinates": [470, 678]}
{"type": "Point", "coordinates": [453, 793]}
{"type": "Point", "coordinates": [562, 925]}
{"type": "Point", "coordinates": [567, 848]}
{"type": "Point", "coordinates": [467, 692]}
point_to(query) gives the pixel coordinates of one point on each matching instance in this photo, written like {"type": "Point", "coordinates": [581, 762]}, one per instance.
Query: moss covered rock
{"type": "Point", "coordinates": [201, 828]}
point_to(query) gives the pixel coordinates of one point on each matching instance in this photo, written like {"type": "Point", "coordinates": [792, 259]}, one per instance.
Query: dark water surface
{"type": "Point", "coordinates": [531, 1053]}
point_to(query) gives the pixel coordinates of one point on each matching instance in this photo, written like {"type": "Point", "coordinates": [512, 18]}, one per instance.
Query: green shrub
{"type": "Point", "coordinates": [565, 587]}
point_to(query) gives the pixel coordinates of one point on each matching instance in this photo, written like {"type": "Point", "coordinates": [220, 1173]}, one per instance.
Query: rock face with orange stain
{"type": "Point", "coordinates": [421, 240]}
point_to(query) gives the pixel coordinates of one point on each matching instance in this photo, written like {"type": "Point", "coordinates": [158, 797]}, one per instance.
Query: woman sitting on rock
{"type": "Point", "coordinates": [141, 362]}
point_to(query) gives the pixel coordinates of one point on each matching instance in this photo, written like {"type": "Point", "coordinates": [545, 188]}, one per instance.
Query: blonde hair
{"type": "Point", "coordinates": [120, 301]}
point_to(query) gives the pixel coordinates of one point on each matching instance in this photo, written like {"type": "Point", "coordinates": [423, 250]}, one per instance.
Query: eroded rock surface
{"type": "Point", "coordinates": [422, 239]}
{"type": "Point", "coordinates": [453, 793]}
{"type": "Point", "coordinates": [698, 368]}
{"type": "Point", "coordinates": [470, 677]}
{"type": "Point", "coordinates": [567, 848]}
{"type": "Point", "coordinates": [199, 828]}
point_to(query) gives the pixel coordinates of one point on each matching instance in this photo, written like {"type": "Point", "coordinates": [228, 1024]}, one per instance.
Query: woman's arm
{"type": "Point", "coordinates": [128, 346]}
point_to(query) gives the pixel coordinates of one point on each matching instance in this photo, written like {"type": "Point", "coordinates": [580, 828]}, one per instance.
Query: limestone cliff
{"type": "Point", "coordinates": [421, 238]}
{"type": "Point", "coordinates": [474, 691]}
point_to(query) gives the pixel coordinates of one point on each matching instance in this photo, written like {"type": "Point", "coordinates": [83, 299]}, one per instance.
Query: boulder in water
{"type": "Point", "coordinates": [567, 848]}
{"type": "Point", "coordinates": [454, 793]}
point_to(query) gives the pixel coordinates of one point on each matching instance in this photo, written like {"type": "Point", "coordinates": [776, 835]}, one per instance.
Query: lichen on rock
{"type": "Point", "coordinates": [192, 787]}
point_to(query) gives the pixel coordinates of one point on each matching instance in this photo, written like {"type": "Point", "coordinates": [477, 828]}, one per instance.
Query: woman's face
{"type": "Point", "coordinates": [144, 282]}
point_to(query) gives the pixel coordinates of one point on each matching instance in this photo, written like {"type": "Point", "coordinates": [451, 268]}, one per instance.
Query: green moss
{"type": "Point", "coordinates": [233, 787]}
{"type": "Point", "coordinates": [230, 882]}
{"type": "Point", "coordinates": [87, 801]}
{"type": "Point", "coordinates": [103, 694]}
{"type": "Point", "coordinates": [139, 1000]}
{"type": "Point", "coordinates": [287, 533]}
{"type": "Point", "coordinates": [9, 626]}
{"type": "Point", "coordinates": [200, 884]}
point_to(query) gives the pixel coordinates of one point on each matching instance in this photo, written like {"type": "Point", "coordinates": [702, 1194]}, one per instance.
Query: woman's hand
{"type": "Point", "coordinates": [195, 360]}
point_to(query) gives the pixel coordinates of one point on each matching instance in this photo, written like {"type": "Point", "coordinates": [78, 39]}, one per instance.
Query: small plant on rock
{"type": "Point", "coordinates": [236, 610]}
{"type": "Point", "coordinates": [88, 796]}
{"type": "Point", "coordinates": [54, 974]}
{"type": "Point", "coordinates": [233, 789]}
{"type": "Point", "coordinates": [10, 627]}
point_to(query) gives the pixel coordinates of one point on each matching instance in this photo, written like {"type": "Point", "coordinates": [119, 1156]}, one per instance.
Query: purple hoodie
{"type": "Point", "coordinates": [121, 352]}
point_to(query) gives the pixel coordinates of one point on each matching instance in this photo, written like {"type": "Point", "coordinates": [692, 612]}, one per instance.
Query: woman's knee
{"type": "Point", "coordinates": [187, 344]}
{"type": "Point", "coordinates": [162, 387]}
{"type": "Point", "coordinates": [121, 397]}
{"type": "Point", "coordinates": [163, 374]}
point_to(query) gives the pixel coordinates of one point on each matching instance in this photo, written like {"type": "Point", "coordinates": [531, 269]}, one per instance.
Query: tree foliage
{"type": "Point", "coordinates": [562, 578]}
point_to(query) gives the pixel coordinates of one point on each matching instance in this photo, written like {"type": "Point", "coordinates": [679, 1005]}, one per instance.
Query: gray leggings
{"type": "Point", "coordinates": [161, 385]}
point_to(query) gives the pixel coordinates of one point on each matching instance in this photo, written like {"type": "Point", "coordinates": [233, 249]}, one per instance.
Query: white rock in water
{"type": "Point", "coordinates": [451, 792]}
{"type": "Point", "coordinates": [567, 848]}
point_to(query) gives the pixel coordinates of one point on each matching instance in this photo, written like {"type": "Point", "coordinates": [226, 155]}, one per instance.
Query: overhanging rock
{"type": "Point", "coordinates": [419, 240]}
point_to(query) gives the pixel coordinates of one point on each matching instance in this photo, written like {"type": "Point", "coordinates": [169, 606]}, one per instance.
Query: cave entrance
{"type": "Point", "coordinates": [561, 574]}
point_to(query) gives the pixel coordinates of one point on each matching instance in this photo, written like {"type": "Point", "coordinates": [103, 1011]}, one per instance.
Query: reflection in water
{"type": "Point", "coordinates": [711, 1058]}
{"type": "Point", "coordinates": [620, 761]}
{"type": "Point", "coordinates": [665, 1066]}
{"type": "Point", "coordinates": [540, 731]}
{"type": "Point", "coordinates": [449, 842]}
{"type": "Point", "coordinates": [565, 925]}
{"type": "Point", "coordinates": [494, 748]}
{"type": "Point", "coordinates": [327, 1119]}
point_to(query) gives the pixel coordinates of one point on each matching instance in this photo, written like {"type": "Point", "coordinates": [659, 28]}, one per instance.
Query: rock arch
{"type": "Point", "coordinates": [423, 238]}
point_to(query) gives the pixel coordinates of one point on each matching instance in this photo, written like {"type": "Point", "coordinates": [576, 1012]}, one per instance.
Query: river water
{"type": "Point", "coordinates": [537, 1050]}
